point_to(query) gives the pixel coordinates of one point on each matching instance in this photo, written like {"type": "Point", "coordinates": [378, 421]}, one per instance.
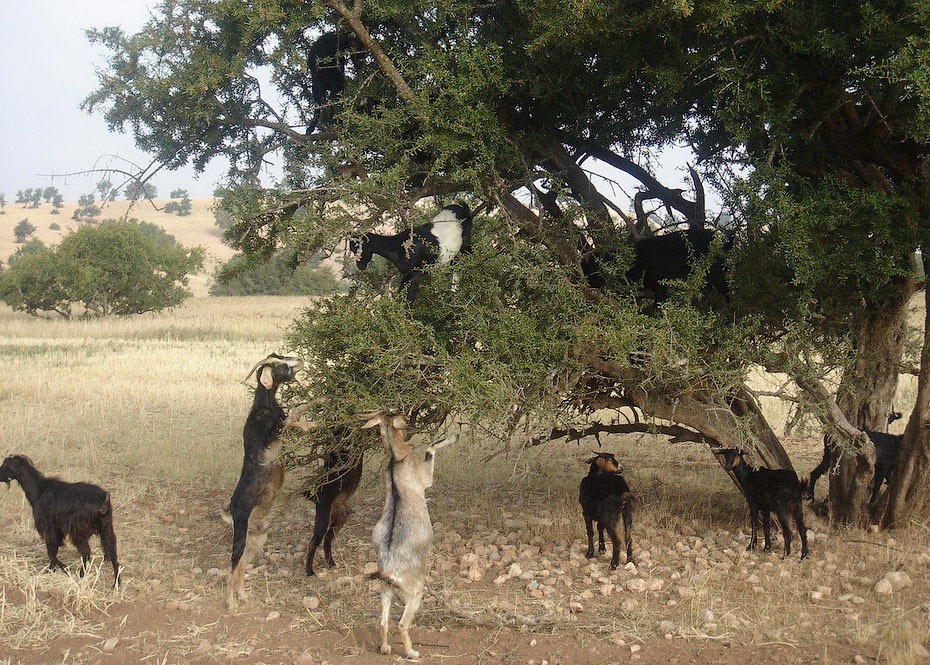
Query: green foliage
{"type": "Point", "coordinates": [54, 226]}
{"type": "Point", "coordinates": [275, 277]}
{"type": "Point", "coordinates": [87, 209]}
{"type": "Point", "coordinates": [180, 208]}
{"type": "Point", "coordinates": [179, 194]}
{"type": "Point", "coordinates": [23, 230]}
{"type": "Point", "coordinates": [116, 268]}
{"type": "Point", "coordinates": [137, 190]}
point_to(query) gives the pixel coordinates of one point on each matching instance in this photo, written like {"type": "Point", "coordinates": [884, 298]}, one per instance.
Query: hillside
{"type": "Point", "coordinates": [194, 230]}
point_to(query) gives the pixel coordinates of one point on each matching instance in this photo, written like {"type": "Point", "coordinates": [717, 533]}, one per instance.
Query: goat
{"type": "Point", "coordinates": [411, 251]}
{"type": "Point", "coordinates": [262, 475]}
{"type": "Point", "coordinates": [65, 510]}
{"type": "Point", "coordinates": [768, 491]}
{"type": "Point", "coordinates": [886, 456]}
{"type": "Point", "coordinates": [404, 534]}
{"type": "Point", "coordinates": [604, 496]}
{"type": "Point", "coordinates": [660, 258]}
{"type": "Point", "coordinates": [326, 65]}
{"type": "Point", "coordinates": [333, 498]}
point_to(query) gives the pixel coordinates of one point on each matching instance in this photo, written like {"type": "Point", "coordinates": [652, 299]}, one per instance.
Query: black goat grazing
{"type": "Point", "coordinates": [605, 497]}
{"type": "Point", "coordinates": [65, 510]}
{"type": "Point", "coordinates": [886, 456]}
{"type": "Point", "coordinates": [333, 498]}
{"type": "Point", "coordinates": [768, 491]}
{"type": "Point", "coordinates": [262, 474]}
{"type": "Point", "coordinates": [670, 256]}
{"type": "Point", "coordinates": [411, 251]}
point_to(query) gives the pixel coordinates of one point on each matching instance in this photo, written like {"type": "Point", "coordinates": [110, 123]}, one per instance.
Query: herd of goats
{"type": "Point", "coordinates": [403, 535]}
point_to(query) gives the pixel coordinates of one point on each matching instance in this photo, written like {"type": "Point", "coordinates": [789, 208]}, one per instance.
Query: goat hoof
{"type": "Point", "coordinates": [613, 566]}
{"type": "Point", "coordinates": [310, 572]}
{"type": "Point", "coordinates": [385, 648]}
{"type": "Point", "coordinates": [589, 555]}
{"type": "Point", "coordinates": [413, 654]}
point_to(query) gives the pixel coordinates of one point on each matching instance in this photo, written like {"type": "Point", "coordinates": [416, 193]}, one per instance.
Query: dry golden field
{"type": "Point", "coordinates": [152, 407]}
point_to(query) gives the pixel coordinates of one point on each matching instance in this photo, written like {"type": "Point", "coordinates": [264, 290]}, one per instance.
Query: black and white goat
{"type": "Point", "coordinates": [768, 491]}
{"type": "Point", "coordinates": [886, 457]}
{"type": "Point", "coordinates": [65, 510]}
{"type": "Point", "coordinates": [605, 498]}
{"type": "Point", "coordinates": [403, 535]}
{"type": "Point", "coordinates": [333, 499]}
{"type": "Point", "coordinates": [262, 473]}
{"type": "Point", "coordinates": [413, 250]}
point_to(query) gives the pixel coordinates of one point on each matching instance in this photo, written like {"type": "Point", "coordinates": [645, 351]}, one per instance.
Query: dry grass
{"type": "Point", "coordinates": [152, 408]}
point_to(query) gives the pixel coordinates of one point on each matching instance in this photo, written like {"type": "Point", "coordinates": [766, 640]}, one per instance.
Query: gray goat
{"type": "Point", "coordinates": [404, 534]}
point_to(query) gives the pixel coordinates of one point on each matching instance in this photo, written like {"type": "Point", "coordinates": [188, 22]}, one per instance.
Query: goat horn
{"type": "Point", "coordinates": [252, 371]}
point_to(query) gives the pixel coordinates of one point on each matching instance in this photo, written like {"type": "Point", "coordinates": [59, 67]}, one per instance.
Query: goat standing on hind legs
{"type": "Point", "coordinates": [262, 474]}
{"type": "Point", "coordinates": [60, 509]}
{"type": "Point", "coordinates": [404, 534]}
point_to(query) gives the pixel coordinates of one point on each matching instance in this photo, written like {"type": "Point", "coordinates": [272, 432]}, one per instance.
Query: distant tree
{"type": "Point", "coordinates": [180, 208]}
{"type": "Point", "coordinates": [2, 204]}
{"type": "Point", "coordinates": [23, 195]}
{"type": "Point", "coordinates": [57, 203]}
{"type": "Point", "coordinates": [116, 268]}
{"type": "Point", "coordinates": [275, 277]}
{"type": "Point", "coordinates": [136, 190]}
{"type": "Point", "coordinates": [179, 194]}
{"type": "Point", "coordinates": [87, 210]}
{"type": "Point", "coordinates": [107, 191]}
{"type": "Point", "coordinates": [36, 198]}
{"type": "Point", "coordinates": [23, 230]}
{"type": "Point", "coordinates": [49, 193]}
{"type": "Point", "coordinates": [54, 226]}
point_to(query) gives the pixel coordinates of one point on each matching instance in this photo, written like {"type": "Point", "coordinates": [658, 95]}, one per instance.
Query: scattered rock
{"type": "Point", "coordinates": [274, 614]}
{"type": "Point", "coordinates": [110, 645]}
{"type": "Point", "coordinates": [310, 602]}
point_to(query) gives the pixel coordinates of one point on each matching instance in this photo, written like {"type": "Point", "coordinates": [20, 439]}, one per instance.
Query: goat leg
{"type": "Point", "coordinates": [767, 530]}
{"type": "Point", "coordinates": [406, 621]}
{"type": "Point", "coordinates": [387, 595]}
{"type": "Point", "coordinates": [589, 527]}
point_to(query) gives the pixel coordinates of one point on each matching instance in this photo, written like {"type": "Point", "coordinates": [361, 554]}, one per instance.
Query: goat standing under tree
{"type": "Point", "coordinates": [65, 510]}
{"type": "Point", "coordinates": [262, 474]}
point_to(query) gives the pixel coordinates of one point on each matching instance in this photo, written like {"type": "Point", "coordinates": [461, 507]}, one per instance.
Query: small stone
{"type": "Point", "coordinates": [898, 580]}
{"type": "Point", "coordinates": [306, 658]}
{"type": "Point", "coordinates": [110, 645]}
{"type": "Point", "coordinates": [883, 587]}
{"type": "Point", "coordinates": [858, 660]}
{"type": "Point", "coordinates": [204, 646]}
{"type": "Point", "coordinates": [215, 572]}
{"type": "Point", "coordinates": [310, 602]}
{"type": "Point", "coordinates": [635, 647]}
{"type": "Point", "coordinates": [707, 616]}
{"type": "Point", "coordinates": [274, 614]}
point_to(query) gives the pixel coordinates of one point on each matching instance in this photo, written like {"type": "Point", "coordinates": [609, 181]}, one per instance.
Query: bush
{"type": "Point", "coordinates": [54, 226]}
{"type": "Point", "coordinates": [23, 230]}
{"type": "Point", "coordinates": [274, 277]}
{"type": "Point", "coordinates": [116, 268]}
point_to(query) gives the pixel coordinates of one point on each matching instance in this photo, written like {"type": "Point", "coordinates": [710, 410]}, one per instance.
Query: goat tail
{"type": "Point", "coordinates": [106, 532]}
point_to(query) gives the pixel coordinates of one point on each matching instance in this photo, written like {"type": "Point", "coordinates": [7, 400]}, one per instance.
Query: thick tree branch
{"type": "Point", "coordinates": [677, 433]}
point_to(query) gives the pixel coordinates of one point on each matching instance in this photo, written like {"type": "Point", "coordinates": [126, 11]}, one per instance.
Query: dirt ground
{"type": "Point", "coordinates": [509, 584]}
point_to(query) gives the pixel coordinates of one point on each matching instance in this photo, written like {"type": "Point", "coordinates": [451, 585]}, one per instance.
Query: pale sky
{"type": "Point", "coordinates": [47, 67]}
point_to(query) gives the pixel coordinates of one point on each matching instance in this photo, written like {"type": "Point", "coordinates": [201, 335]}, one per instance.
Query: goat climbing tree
{"type": "Point", "coordinates": [811, 119]}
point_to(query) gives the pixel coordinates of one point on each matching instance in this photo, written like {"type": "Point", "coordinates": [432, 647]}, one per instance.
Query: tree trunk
{"type": "Point", "coordinates": [865, 396]}
{"type": "Point", "coordinates": [908, 495]}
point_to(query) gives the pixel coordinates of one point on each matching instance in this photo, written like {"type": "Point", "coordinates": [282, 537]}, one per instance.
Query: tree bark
{"type": "Point", "coordinates": [865, 396]}
{"type": "Point", "coordinates": [908, 495]}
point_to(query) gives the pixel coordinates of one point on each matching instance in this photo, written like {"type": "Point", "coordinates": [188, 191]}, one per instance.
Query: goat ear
{"type": "Point", "coordinates": [265, 377]}
{"type": "Point", "coordinates": [374, 422]}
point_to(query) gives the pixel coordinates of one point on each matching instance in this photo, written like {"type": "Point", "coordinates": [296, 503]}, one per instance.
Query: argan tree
{"type": "Point", "coordinates": [811, 119]}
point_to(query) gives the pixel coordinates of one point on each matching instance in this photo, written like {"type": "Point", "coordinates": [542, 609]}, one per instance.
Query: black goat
{"type": "Point", "coordinates": [768, 491]}
{"type": "Point", "coordinates": [333, 498]}
{"type": "Point", "coordinates": [886, 456]}
{"type": "Point", "coordinates": [262, 474]}
{"type": "Point", "coordinates": [605, 497]}
{"type": "Point", "coordinates": [411, 251]}
{"type": "Point", "coordinates": [65, 510]}
{"type": "Point", "coordinates": [660, 258]}
{"type": "Point", "coordinates": [326, 65]}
